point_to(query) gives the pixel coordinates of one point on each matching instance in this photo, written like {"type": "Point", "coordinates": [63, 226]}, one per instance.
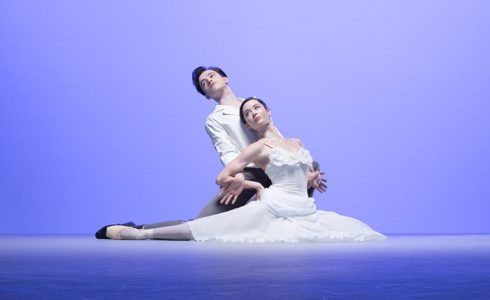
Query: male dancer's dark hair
{"type": "Point", "coordinates": [198, 71]}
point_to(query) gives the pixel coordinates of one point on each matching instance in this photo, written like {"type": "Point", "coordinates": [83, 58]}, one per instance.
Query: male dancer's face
{"type": "Point", "coordinates": [212, 82]}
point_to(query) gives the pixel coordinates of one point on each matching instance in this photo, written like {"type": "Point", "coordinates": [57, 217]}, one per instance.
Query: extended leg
{"type": "Point", "coordinates": [162, 224]}
{"type": "Point", "coordinates": [180, 232]}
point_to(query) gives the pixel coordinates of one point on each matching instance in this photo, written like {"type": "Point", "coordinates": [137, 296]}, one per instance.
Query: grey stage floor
{"type": "Point", "coordinates": [402, 267]}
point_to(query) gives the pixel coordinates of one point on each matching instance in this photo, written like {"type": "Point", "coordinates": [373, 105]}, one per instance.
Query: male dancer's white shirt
{"type": "Point", "coordinates": [228, 134]}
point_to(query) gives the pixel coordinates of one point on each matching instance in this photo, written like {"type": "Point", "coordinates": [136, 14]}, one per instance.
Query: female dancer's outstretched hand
{"type": "Point", "coordinates": [234, 185]}
{"type": "Point", "coordinates": [231, 189]}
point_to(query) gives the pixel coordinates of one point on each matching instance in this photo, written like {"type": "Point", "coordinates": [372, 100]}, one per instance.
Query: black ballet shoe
{"type": "Point", "coordinates": [102, 233]}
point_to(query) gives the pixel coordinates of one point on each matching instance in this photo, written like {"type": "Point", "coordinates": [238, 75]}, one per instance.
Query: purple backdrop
{"type": "Point", "coordinates": [99, 121]}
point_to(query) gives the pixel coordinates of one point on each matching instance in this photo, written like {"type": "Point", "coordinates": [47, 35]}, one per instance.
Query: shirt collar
{"type": "Point", "coordinates": [226, 109]}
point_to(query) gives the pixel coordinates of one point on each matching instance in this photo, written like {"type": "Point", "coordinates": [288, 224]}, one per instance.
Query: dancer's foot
{"type": "Point", "coordinates": [102, 233]}
{"type": "Point", "coordinates": [118, 232]}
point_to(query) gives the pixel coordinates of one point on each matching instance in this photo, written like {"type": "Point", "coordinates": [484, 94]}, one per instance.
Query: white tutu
{"type": "Point", "coordinates": [284, 214]}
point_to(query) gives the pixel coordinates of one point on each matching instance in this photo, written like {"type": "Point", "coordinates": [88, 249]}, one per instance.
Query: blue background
{"type": "Point", "coordinates": [99, 121]}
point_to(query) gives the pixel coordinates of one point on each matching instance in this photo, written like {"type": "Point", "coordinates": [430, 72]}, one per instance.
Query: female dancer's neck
{"type": "Point", "coordinates": [271, 132]}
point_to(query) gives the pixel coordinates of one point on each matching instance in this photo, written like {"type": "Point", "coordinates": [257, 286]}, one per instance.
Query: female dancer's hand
{"type": "Point", "coordinates": [315, 180]}
{"type": "Point", "coordinates": [231, 189]}
{"type": "Point", "coordinates": [258, 187]}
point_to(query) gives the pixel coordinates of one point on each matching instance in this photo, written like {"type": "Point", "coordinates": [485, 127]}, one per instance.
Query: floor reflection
{"type": "Point", "coordinates": [402, 267]}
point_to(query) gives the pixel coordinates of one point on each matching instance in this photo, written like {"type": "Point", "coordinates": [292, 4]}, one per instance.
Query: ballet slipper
{"type": "Point", "coordinates": [118, 232]}
{"type": "Point", "coordinates": [102, 233]}
{"type": "Point", "coordinates": [114, 232]}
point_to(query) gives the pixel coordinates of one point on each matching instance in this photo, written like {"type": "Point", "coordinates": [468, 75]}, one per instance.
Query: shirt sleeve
{"type": "Point", "coordinates": [221, 141]}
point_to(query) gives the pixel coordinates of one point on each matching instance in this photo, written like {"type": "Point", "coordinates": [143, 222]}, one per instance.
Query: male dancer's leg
{"type": "Point", "coordinates": [213, 207]}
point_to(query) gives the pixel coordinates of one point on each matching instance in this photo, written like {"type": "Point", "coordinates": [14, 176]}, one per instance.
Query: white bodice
{"type": "Point", "coordinates": [288, 171]}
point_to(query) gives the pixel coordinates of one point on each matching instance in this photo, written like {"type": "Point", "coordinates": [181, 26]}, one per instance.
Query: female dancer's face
{"type": "Point", "coordinates": [256, 115]}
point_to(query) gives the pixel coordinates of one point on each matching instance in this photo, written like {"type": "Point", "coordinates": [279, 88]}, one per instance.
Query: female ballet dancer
{"type": "Point", "coordinates": [282, 213]}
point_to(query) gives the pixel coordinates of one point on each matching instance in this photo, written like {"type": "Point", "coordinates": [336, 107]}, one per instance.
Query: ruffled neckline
{"type": "Point", "coordinates": [281, 156]}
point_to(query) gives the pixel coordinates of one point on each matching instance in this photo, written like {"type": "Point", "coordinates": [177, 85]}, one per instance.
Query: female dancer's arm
{"type": "Point", "coordinates": [233, 181]}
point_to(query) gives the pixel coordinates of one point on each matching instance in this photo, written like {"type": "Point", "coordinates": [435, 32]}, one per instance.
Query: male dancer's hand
{"type": "Point", "coordinates": [231, 189]}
